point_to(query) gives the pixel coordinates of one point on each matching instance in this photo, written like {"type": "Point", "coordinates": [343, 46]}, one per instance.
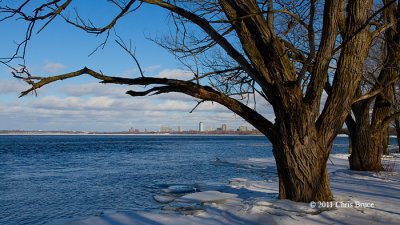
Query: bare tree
{"type": "Point", "coordinates": [281, 50]}
{"type": "Point", "coordinates": [373, 110]}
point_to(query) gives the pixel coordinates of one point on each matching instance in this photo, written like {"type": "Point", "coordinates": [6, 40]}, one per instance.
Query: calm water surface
{"type": "Point", "coordinates": [44, 179]}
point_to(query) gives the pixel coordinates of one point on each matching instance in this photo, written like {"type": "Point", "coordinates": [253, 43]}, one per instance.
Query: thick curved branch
{"type": "Point", "coordinates": [349, 72]}
{"type": "Point", "coordinates": [218, 38]}
{"type": "Point", "coordinates": [321, 65]}
{"type": "Point", "coordinates": [170, 85]}
{"type": "Point", "coordinates": [311, 43]}
{"type": "Point", "coordinates": [389, 119]}
{"type": "Point", "coordinates": [363, 26]}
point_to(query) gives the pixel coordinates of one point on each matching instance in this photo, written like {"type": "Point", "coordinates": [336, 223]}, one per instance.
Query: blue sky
{"type": "Point", "coordinates": [82, 103]}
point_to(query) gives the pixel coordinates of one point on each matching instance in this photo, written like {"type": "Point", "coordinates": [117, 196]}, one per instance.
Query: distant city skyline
{"type": "Point", "coordinates": [202, 127]}
{"type": "Point", "coordinates": [220, 129]}
{"type": "Point", "coordinates": [132, 130]}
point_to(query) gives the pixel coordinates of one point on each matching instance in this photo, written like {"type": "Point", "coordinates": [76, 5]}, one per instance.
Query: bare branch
{"type": "Point", "coordinates": [321, 65]}
{"type": "Point", "coordinates": [122, 44]}
{"type": "Point", "coordinates": [56, 12]}
{"type": "Point", "coordinates": [90, 28]}
{"type": "Point", "coordinates": [389, 119]}
{"type": "Point", "coordinates": [198, 103]}
{"type": "Point", "coordinates": [376, 90]}
{"type": "Point", "coordinates": [311, 43]}
{"type": "Point", "coordinates": [205, 93]}
{"type": "Point", "coordinates": [216, 72]}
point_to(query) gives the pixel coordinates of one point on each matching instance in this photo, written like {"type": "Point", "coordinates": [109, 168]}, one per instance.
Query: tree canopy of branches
{"type": "Point", "coordinates": [281, 50]}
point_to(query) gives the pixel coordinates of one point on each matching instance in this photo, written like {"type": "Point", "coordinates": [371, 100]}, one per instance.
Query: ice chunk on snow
{"type": "Point", "coordinates": [208, 196]}
{"type": "Point", "coordinates": [238, 182]}
{"type": "Point", "coordinates": [180, 189]}
{"type": "Point", "coordinates": [164, 199]}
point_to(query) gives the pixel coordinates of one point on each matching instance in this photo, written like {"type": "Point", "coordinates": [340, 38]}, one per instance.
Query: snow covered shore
{"type": "Point", "coordinates": [360, 198]}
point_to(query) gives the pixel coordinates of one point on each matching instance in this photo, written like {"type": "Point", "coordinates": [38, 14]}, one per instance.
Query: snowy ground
{"type": "Point", "coordinates": [360, 198]}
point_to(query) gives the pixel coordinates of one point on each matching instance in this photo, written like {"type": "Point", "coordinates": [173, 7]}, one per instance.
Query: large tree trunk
{"type": "Point", "coordinates": [302, 171]}
{"type": "Point", "coordinates": [367, 150]}
{"type": "Point", "coordinates": [368, 138]}
{"type": "Point", "coordinates": [301, 160]}
{"type": "Point", "coordinates": [366, 142]}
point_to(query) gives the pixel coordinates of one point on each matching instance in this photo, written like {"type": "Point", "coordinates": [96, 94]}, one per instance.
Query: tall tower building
{"type": "Point", "coordinates": [180, 129]}
{"type": "Point", "coordinates": [224, 127]}
{"type": "Point", "coordinates": [201, 127]}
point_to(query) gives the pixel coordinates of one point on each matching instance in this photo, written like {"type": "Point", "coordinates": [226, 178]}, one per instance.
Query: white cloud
{"type": "Point", "coordinates": [171, 105]}
{"type": "Point", "coordinates": [104, 113]}
{"type": "Point", "coordinates": [12, 86]}
{"type": "Point", "coordinates": [100, 102]}
{"type": "Point", "coordinates": [54, 102]}
{"type": "Point", "coordinates": [175, 96]}
{"type": "Point", "coordinates": [95, 89]}
{"type": "Point", "coordinates": [154, 114]}
{"type": "Point", "coordinates": [134, 72]}
{"type": "Point", "coordinates": [109, 104]}
{"type": "Point", "coordinates": [211, 106]}
{"type": "Point", "coordinates": [176, 74]}
{"type": "Point", "coordinates": [152, 68]}
{"type": "Point", "coordinates": [51, 67]}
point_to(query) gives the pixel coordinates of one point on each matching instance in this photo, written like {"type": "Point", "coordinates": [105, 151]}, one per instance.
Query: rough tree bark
{"type": "Point", "coordinates": [369, 132]}
{"type": "Point", "coordinates": [364, 140]}
{"type": "Point", "coordinates": [301, 163]}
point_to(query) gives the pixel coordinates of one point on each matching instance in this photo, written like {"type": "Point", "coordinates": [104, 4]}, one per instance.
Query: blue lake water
{"type": "Point", "coordinates": [49, 178]}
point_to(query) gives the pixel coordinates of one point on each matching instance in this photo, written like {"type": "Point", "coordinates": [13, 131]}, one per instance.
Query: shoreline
{"type": "Point", "coordinates": [121, 134]}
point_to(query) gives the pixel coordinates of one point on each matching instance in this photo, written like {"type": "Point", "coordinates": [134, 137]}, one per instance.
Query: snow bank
{"type": "Point", "coordinates": [360, 198]}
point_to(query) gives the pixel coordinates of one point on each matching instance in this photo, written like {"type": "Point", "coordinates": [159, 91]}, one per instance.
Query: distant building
{"type": "Point", "coordinates": [132, 130]}
{"type": "Point", "coordinates": [201, 127]}
{"type": "Point", "coordinates": [242, 128]}
{"type": "Point", "coordinates": [180, 129]}
{"type": "Point", "coordinates": [210, 128]}
{"type": "Point", "coordinates": [224, 127]}
{"type": "Point", "coordinates": [165, 129]}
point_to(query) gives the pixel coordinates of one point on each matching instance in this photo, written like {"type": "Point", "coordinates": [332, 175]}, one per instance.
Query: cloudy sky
{"type": "Point", "coordinates": [83, 103]}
